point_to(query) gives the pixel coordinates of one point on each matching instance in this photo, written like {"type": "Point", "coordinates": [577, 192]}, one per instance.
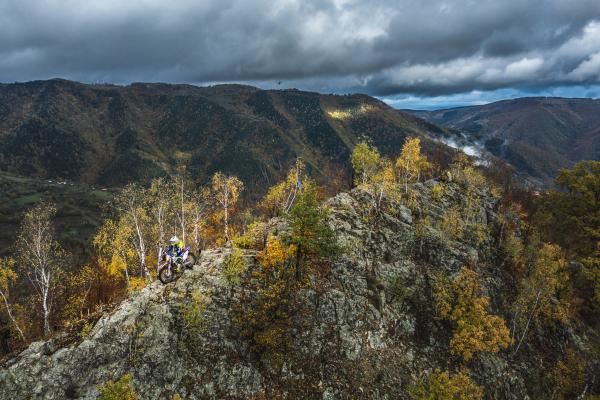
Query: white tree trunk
{"type": "Point", "coordinates": [46, 308]}
{"type": "Point", "coordinates": [537, 299]}
{"type": "Point", "coordinates": [182, 211]}
{"type": "Point", "coordinates": [8, 311]}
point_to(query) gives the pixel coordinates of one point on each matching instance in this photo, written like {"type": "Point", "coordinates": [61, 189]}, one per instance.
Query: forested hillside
{"type": "Point", "coordinates": [112, 135]}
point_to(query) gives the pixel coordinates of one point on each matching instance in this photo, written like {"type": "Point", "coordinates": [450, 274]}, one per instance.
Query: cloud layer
{"type": "Point", "coordinates": [382, 47]}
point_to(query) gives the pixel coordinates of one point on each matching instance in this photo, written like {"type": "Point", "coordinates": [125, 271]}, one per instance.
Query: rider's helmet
{"type": "Point", "coordinates": [174, 240]}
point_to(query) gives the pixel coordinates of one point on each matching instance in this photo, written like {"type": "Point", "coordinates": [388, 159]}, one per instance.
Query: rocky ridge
{"type": "Point", "coordinates": [373, 328]}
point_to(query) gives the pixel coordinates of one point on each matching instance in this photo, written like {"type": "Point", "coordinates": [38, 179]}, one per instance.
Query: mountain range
{"type": "Point", "coordinates": [537, 136]}
{"type": "Point", "coordinates": [110, 135]}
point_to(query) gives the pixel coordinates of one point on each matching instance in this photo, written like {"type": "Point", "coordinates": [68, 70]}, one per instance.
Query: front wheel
{"type": "Point", "coordinates": [165, 274]}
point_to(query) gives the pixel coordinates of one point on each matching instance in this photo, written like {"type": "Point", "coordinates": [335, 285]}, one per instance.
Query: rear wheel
{"type": "Point", "coordinates": [190, 261]}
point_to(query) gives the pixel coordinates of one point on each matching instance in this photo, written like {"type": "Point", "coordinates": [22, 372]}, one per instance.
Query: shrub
{"type": "Point", "coordinates": [136, 284]}
{"type": "Point", "coordinates": [119, 390]}
{"type": "Point", "coordinates": [444, 386]}
{"type": "Point", "coordinates": [452, 224]}
{"type": "Point", "coordinates": [254, 237]}
{"type": "Point", "coordinates": [85, 331]}
{"type": "Point", "coordinates": [233, 267]}
{"type": "Point", "coordinates": [438, 191]}
{"type": "Point", "coordinates": [398, 290]}
{"type": "Point", "coordinates": [193, 313]}
{"type": "Point", "coordinates": [568, 376]}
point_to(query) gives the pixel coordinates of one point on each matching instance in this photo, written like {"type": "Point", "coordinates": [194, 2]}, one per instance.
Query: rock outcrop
{"type": "Point", "coordinates": [372, 330]}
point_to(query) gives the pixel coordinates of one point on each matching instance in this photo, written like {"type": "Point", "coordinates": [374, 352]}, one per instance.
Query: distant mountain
{"type": "Point", "coordinates": [538, 136]}
{"type": "Point", "coordinates": [109, 135]}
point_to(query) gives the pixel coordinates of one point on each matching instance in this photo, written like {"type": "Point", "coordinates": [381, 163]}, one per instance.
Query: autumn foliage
{"type": "Point", "coordinates": [475, 329]}
{"type": "Point", "coordinates": [441, 385]}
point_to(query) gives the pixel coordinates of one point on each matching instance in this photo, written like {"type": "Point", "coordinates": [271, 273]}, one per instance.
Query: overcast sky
{"type": "Point", "coordinates": [412, 53]}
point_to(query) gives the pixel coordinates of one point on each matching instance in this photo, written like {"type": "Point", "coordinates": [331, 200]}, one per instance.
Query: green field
{"type": "Point", "coordinates": [80, 209]}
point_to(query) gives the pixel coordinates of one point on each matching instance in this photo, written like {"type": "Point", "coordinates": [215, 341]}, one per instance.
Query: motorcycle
{"type": "Point", "coordinates": [174, 266]}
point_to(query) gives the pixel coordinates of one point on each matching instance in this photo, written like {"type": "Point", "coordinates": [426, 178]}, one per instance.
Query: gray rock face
{"type": "Point", "coordinates": [373, 327]}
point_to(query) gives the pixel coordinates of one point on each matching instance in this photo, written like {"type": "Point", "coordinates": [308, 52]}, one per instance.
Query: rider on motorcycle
{"type": "Point", "coordinates": [176, 247]}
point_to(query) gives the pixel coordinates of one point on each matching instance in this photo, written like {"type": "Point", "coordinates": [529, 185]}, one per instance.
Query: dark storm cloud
{"type": "Point", "coordinates": [381, 47]}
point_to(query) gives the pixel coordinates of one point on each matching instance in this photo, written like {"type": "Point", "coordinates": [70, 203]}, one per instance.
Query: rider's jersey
{"type": "Point", "coordinates": [176, 249]}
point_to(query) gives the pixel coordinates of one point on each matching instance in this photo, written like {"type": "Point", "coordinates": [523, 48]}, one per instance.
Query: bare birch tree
{"type": "Point", "coordinates": [131, 204]}
{"type": "Point", "coordinates": [39, 255]}
{"type": "Point", "coordinates": [161, 194]}
{"type": "Point", "coordinates": [226, 190]}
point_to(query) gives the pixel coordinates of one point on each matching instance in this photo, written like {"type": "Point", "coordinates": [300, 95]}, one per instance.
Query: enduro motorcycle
{"type": "Point", "coordinates": [174, 266]}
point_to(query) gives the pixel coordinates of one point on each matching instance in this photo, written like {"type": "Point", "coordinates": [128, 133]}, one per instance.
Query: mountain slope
{"type": "Point", "coordinates": [538, 136]}
{"type": "Point", "coordinates": [371, 326]}
{"type": "Point", "coordinates": [110, 135]}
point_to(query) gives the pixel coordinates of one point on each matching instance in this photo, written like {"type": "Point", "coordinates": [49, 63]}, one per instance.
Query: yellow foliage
{"type": "Point", "coordinates": [366, 162]}
{"type": "Point", "coordinates": [114, 250]}
{"type": "Point", "coordinates": [496, 191]}
{"type": "Point", "coordinates": [254, 236]}
{"type": "Point", "coordinates": [452, 224]}
{"type": "Point", "coordinates": [384, 183]}
{"type": "Point", "coordinates": [480, 232]}
{"type": "Point", "coordinates": [116, 266]}
{"type": "Point", "coordinates": [422, 227]}
{"type": "Point", "coordinates": [77, 285]}
{"type": "Point", "coordinates": [349, 112]}
{"type": "Point", "coordinates": [275, 198]}
{"type": "Point", "coordinates": [568, 376]}
{"type": "Point", "coordinates": [136, 284]}
{"type": "Point", "coordinates": [265, 311]}
{"type": "Point", "coordinates": [275, 253]}
{"type": "Point", "coordinates": [280, 198]}
{"type": "Point", "coordinates": [440, 385]}
{"type": "Point", "coordinates": [515, 249]}
{"type": "Point", "coordinates": [475, 329]}
{"type": "Point", "coordinates": [592, 272]}
{"type": "Point", "coordinates": [411, 199]}
{"type": "Point", "coordinates": [411, 164]}
{"type": "Point", "coordinates": [374, 174]}
{"type": "Point", "coordinates": [7, 278]}
{"type": "Point", "coordinates": [540, 291]}
{"type": "Point", "coordinates": [120, 390]}
{"type": "Point", "coordinates": [444, 294]}
{"type": "Point", "coordinates": [438, 191]}
{"type": "Point", "coordinates": [226, 191]}
{"type": "Point", "coordinates": [7, 274]}
{"type": "Point", "coordinates": [85, 331]}
{"type": "Point", "coordinates": [422, 230]}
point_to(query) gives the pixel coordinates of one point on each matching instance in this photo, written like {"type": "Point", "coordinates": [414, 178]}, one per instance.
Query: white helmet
{"type": "Point", "coordinates": [174, 240]}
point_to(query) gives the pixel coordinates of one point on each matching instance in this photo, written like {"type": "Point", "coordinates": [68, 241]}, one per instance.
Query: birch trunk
{"type": "Point", "coordinates": [8, 311]}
